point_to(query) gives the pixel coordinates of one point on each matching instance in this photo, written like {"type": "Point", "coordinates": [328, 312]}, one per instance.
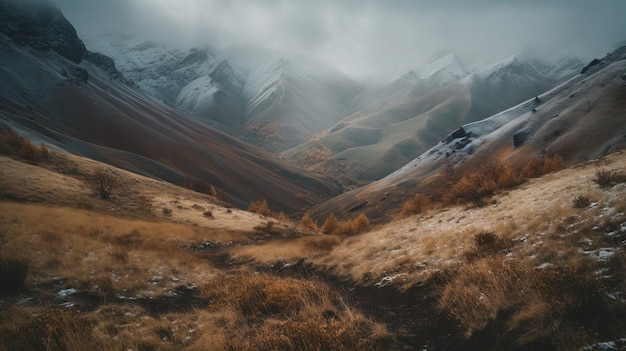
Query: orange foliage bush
{"type": "Point", "coordinates": [349, 227]}
{"type": "Point", "coordinates": [308, 222]}
{"type": "Point", "coordinates": [261, 207]}
{"type": "Point", "coordinates": [542, 165]}
{"type": "Point", "coordinates": [331, 225]}
{"type": "Point", "coordinates": [14, 144]}
{"type": "Point", "coordinates": [418, 204]}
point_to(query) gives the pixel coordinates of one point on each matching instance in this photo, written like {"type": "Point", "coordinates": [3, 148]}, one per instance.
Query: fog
{"type": "Point", "coordinates": [360, 36]}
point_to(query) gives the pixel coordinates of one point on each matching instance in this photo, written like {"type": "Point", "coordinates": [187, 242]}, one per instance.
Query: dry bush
{"type": "Point", "coordinates": [477, 183]}
{"type": "Point", "coordinates": [581, 201]}
{"type": "Point", "coordinates": [13, 272]}
{"type": "Point", "coordinates": [200, 186]}
{"type": "Point", "coordinates": [282, 217]}
{"type": "Point", "coordinates": [261, 207]}
{"type": "Point", "coordinates": [308, 222]}
{"type": "Point", "coordinates": [361, 223]}
{"type": "Point", "coordinates": [14, 144]}
{"type": "Point", "coordinates": [472, 188]}
{"type": "Point", "coordinates": [331, 225]}
{"type": "Point", "coordinates": [52, 329]}
{"type": "Point", "coordinates": [349, 227]}
{"type": "Point", "coordinates": [103, 183]}
{"type": "Point", "coordinates": [486, 244]}
{"type": "Point", "coordinates": [208, 214]}
{"type": "Point", "coordinates": [418, 204]}
{"type": "Point", "coordinates": [542, 165]}
{"type": "Point", "coordinates": [607, 179]}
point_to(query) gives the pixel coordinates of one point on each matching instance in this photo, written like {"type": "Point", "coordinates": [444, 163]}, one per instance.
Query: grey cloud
{"type": "Point", "coordinates": [360, 35]}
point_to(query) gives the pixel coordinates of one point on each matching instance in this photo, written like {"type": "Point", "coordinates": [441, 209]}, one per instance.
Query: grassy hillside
{"type": "Point", "coordinates": [159, 267]}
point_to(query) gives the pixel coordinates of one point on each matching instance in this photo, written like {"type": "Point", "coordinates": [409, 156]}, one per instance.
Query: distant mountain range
{"type": "Point", "coordinates": [190, 115]}
{"type": "Point", "coordinates": [580, 119]}
{"type": "Point", "coordinates": [355, 130]}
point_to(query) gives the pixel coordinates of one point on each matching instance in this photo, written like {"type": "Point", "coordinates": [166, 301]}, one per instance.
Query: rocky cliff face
{"type": "Point", "coordinates": [41, 25]}
{"type": "Point", "coordinates": [107, 64]}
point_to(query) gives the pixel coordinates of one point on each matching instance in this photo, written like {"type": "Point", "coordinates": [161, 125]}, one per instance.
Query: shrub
{"type": "Point", "coordinates": [607, 179]}
{"type": "Point", "coordinates": [103, 183]}
{"type": "Point", "coordinates": [581, 201]}
{"type": "Point", "coordinates": [542, 165]}
{"type": "Point", "coordinates": [208, 214]}
{"type": "Point", "coordinates": [200, 186]}
{"type": "Point", "coordinates": [331, 225]}
{"type": "Point", "coordinates": [14, 144]}
{"type": "Point", "coordinates": [13, 274]}
{"type": "Point", "coordinates": [282, 216]}
{"type": "Point", "coordinates": [308, 222]}
{"type": "Point", "coordinates": [473, 188]}
{"type": "Point", "coordinates": [361, 223]}
{"type": "Point", "coordinates": [418, 204]}
{"type": "Point", "coordinates": [261, 207]}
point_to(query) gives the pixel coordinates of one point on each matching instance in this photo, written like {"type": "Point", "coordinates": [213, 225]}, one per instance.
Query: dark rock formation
{"type": "Point", "coordinates": [593, 63]}
{"type": "Point", "coordinates": [107, 64]}
{"type": "Point", "coordinates": [40, 25]}
{"type": "Point", "coordinates": [519, 139]}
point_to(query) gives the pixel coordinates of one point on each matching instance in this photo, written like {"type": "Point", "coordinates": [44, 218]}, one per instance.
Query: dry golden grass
{"type": "Point", "coordinates": [527, 265]}
{"type": "Point", "coordinates": [127, 269]}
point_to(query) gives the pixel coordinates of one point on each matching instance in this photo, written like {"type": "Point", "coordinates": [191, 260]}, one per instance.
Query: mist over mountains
{"type": "Point", "coordinates": [348, 130]}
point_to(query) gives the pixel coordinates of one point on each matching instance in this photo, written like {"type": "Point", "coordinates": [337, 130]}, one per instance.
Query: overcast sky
{"type": "Point", "coordinates": [362, 35]}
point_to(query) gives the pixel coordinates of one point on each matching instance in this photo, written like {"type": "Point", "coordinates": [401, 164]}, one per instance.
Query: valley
{"type": "Point", "coordinates": [170, 196]}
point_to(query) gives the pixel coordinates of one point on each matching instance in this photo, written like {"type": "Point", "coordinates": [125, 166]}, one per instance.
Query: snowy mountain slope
{"type": "Point", "coordinates": [580, 119]}
{"type": "Point", "coordinates": [291, 99]}
{"type": "Point", "coordinates": [415, 109]}
{"type": "Point", "coordinates": [270, 99]}
{"type": "Point", "coordinates": [197, 81]}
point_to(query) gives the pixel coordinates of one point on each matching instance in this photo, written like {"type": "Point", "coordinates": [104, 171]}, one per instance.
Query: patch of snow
{"type": "Point", "coordinates": [544, 266]}
{"type": "Point", "coordinates": [388, 280]}
{"type": "Point", "coordinates": [65, 293]}
{"type": "Point", "coordinates": [601, 254]}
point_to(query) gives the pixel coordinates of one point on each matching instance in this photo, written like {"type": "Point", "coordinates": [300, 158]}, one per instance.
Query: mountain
{"type": "Point", "coordinates": [399, 116]}
{"type": "Point", "coordinates": [289, 100]}
{"type": "Point", "coordinates": [81, 109]}
{"type": "Point", "coordinates": [197, 81]}
{"type": "Point", "coordinates": [581, 119]}
{"type": "Point", "coordinates": [275, 101]}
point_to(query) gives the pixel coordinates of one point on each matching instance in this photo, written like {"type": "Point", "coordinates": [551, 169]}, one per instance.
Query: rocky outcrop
{"type": "Point", "coordinates": [107, 64]}
{"type": "Point", "coordinates": [40, 25]}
